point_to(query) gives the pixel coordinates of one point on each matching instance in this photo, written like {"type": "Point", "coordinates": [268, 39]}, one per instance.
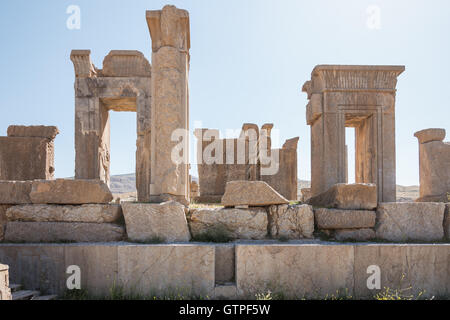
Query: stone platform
{"type": "Point", "coordinates": [300, 269]}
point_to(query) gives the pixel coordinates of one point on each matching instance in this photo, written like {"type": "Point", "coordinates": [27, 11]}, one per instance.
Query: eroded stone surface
{"type": "Point", "coordinates": [169, 30]}
{"type": "Point", "coordinates": [410, 221]}
{"type": "Point", "coordinates": [146, 221]}
{"type": "Point", "coordinates": [26, 158]}
{"type": "Point", "coordinates": [64, 191]}
{"type": "Point", "coordinates": [49, 132]}
{"type": "Point", "coordinates": [428, 135]}
{"type": "Point", "coordinates": [344, 219]}
{"type": "Point", "coordinates": [434, 159]}
{"type": "Point", "coordinates": [251, 193]}
{"type": "Point", "coordinates": [238, 223]}
{"type": "Point", "coordinates": [167, 270]}
{"type": "Point", "coordinates": [293, 222]}
{"type": "Point", "coordinates": [94, 213]}
{"type": "Point", "coordinates": [15, 192]}
{"type": "Point", "coordinates": [363, 234]}
{"type": "Point", "coordinates": [296, 271]}
{"type": "Point", "coordinates": [63, 232]}
{"type": "Point", "coordinates": [358, 196]}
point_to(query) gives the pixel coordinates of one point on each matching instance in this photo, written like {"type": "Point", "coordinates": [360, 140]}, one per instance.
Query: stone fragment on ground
{"type": "Point", "coordinates": [358, 196]}
{"type": "Point", "coordinates": [251, 193]}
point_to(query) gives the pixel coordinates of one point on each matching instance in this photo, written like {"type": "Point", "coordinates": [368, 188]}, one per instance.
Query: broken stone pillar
{"type": "Point", "coordinates": [285, 179]}
{"type": "Point", "coordinates": [434, 162]}
{"type": "Point", "coordinates": [353, 96]}
{"type": "Point", "coordinates": [28, 153]}
{"type": "Point", "coordinates": [122, 85]}
{"type": "Point", "coordinates": [169, 30]}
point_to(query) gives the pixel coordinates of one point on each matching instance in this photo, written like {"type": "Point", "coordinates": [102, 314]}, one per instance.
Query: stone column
{"type": "Point", "coordinates": [434, 168]}
{"type": "Point", "coordinates": [92, 145]}
{"type": "Point", "coordinates": [169, 30]}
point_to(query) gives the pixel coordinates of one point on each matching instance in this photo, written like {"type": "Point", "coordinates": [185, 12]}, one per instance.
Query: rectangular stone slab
{"type": "Point", "coordinates": [358, 196]}
{"type": "Point", "coordinates": [297, 271]}
{"type": "Point", "coordinates": [344, 219]}
{"type": "Point", "coordinates": [15, 192]}
{"type": "Point", "coordinates": [26, 158]}
{"type": "Point", "coordinates": [94, 213]}
{"type": "Point", "coordinates": [146, 221]}
{"type": "Point", "coordinates": [410, 221]}
{"type": "Point", "coordinates": [65, 191]}
{"type": "Point", "coordinates": [63, 232]}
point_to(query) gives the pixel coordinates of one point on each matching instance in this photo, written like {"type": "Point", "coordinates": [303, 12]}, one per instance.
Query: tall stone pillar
{"type": "Point", "coordinates": [169, 30]}
{"type": "Point", "coordinates": [92, 144]}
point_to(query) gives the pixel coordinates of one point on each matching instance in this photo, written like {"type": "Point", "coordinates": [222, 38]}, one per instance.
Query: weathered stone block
{"type": "Point", "coordinates": [251, 193]}
{"type": "Point", "coordinates": [64, 191]}
{"type": "Point", "coordinates": [186, 270]}
{"type": "Point", "coordinates": [26, 158]}
{"type": "Point", "coordinates": [434, 156]}
{"type": "Point", "coordinates": [48, 132]}
{"type": "Point", "coordinates": [296, 271]}
{"type": "Point", "coordinates": [5, 292]}
{"type": "Point", "coordinates": [146, 221]}
{"type": "Point", "coordinates": [363, 234]}
{"type": "Point", "coordinates": [410, 221]}
{"type": "Point", "coordinates": [126, 63]}
{"type": "Point", "coordinates": [63, 231]}
{"type": "Point", "coordinates": [293, 222]}
{"type": "Point", "coordinates": [238, 223]}
{"type": "Point", "coordinates": [94, 213]}
{"type": "Point", "coordinates": [15, 192]}
{"type": "Point", "coordinates": [417, 270]}
{"type": "Point", "coordinates": [428, 135]}
{"type": "Point", "coordinates": [344, 219]}
{"type": "Point", "coordinates": [348, 196]}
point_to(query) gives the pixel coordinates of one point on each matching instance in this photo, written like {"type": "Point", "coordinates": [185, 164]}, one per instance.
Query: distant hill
{"type": "Point", "coordinates": [126, 184]}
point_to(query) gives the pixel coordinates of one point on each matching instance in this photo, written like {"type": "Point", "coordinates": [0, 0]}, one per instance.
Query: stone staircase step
{"type": "Point", "coordinates": [49, 297]}
{"type": "Point", "coordinates": [225, 291]}
{"type": "Point", "coordinates": [24, 294]}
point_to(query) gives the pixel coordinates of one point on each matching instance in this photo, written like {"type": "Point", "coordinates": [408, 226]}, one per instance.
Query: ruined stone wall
{"type": "Point", "coordinates": [248, 158]}
{"type": "Point", "coordinates": [27, 153]}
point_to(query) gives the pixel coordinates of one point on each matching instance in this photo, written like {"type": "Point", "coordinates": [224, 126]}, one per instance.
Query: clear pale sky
{"type": "Point", "coordinates": [249, 60]}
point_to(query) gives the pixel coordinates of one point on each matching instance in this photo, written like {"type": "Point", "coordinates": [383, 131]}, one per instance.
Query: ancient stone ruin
{"type": "Point", "coordinates": [247, 158]}
{"type": "Point", "coordinates": [166, 241]}
{"type": "Point", "coordinates": [159, 96]}
{"type": "Point", "coordinates": [362, 97]}
{"type": "Point", "coordinates": [28, 153]}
